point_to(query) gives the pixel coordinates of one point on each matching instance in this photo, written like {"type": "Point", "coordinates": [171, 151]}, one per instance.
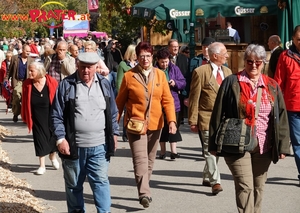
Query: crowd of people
{"type": "Point", "coordinates": [72, 93]}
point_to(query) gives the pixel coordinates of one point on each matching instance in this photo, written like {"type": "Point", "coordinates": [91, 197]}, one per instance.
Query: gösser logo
{"type": "Point", "coordinates": [241, 10]}
{"type": "Point", "coordinates": [42, 16]}
{"type": "Point", "coordinates": [175, 13]}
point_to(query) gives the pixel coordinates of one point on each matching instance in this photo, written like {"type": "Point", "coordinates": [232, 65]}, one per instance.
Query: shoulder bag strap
{"type": "Point", "coordinates": [258, 101]}
{"type": "Point", "coordinates": [150, 99]}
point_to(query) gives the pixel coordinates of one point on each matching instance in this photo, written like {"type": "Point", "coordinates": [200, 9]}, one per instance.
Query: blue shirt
{"type": "Point", "coordinates": [22, 74]}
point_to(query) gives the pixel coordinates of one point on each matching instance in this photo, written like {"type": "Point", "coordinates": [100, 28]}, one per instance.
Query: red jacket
{"type": "Point", "coordinates": [287, 76]}
{"type": "Point", "coordinates": [3, 71]}
{"type": "Point", "coordinates": [26, 98]}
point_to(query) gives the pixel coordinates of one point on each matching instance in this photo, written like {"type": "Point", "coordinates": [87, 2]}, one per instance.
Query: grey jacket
{"type": "Point", "coordinates": [226, 106]}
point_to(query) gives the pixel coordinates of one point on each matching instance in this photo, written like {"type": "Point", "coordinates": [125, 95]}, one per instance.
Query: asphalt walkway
{"type": "Point", "coordinates": [176, 185]}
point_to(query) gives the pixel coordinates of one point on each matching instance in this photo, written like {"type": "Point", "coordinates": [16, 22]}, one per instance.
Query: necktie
{"type": "Point", "coordinates": [219, 77]}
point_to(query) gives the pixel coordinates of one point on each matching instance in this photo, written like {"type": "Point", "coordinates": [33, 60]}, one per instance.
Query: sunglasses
{"type": "Point", "coordinates": [257, 63]}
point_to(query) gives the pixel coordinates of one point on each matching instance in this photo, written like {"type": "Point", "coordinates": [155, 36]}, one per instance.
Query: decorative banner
{"type": "Point", "coordinates": [93, 5]}
{"type": "Point", "coordinates": [51, 29]}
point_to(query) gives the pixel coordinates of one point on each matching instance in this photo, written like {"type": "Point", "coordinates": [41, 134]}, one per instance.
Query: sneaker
{"type": "Point", "coordinates": [15, 118]}
{"type": "Point", "coordinates": [55, 164]}
{"type": "Point", "coordinates": [41, 171]}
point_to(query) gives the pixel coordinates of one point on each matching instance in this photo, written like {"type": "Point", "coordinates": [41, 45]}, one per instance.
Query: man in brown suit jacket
{"type": "Point", "coordinates": [18, 72]}
{"type": "Point", "coordinates": [204, 87]}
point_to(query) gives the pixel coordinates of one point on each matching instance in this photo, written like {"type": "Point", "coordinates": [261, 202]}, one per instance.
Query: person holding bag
{"type": "Point", "coordinates": [237, 98]}
{"type": "Point", "coordinates": [144, 91]}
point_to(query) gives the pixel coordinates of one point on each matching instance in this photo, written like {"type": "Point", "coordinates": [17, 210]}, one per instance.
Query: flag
{"type": "Point", "coordinates": [51, 29]}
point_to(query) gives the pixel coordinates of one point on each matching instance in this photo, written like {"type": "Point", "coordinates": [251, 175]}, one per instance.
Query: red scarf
{"type": "Point", "coordinates": [246, 101]}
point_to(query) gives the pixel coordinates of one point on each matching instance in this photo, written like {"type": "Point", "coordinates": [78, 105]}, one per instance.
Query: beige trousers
{"type": "Point", "coordinates": [211, 171]}
{"type": "Point", "coordinates": [143, 150]}
{"type": "Point", "coordinates": [249, 171]}
{"type": "Point", "coordinates": [16, 98]}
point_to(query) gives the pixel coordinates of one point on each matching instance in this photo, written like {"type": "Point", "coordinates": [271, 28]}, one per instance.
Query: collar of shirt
{"type": "Point", "coordinates": [274, 49]}
{"type": "Point", "coordinates": [215, 70]}
{"type": "Point", "coordinates": [245, 78]}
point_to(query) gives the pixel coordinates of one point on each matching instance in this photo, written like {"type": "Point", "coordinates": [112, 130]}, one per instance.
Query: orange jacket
{"type": "Point", "coordinates": [134, 95]}
{"type": "Point", "coordinates": [26, 98]}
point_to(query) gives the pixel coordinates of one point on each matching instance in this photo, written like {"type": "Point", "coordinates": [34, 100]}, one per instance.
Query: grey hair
{"type": "Point", "coordinates": [214, 48]}
{"type": "Point", "coordinates": [256, 50]}
{"type": "Point", "coordinates": [40, 68]}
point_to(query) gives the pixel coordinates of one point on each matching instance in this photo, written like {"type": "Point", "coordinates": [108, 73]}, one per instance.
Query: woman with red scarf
{"type": "Point", "coordinates": [237, 98]}
{"type": "Point", "coordinates": [37, 95]}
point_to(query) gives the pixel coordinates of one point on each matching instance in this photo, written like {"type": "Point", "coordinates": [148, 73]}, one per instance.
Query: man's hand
{"type": "Point", "coordinates": [64, 147]}
{"type": "Point", "coordinates": [194, 128]}
{"type": "Point", "coordinates": [116, 142]}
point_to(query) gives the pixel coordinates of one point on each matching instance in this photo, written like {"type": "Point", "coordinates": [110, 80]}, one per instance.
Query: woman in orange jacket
{"type": "Point", "coordinates": [145, 88]}
{"type": "Point", "coordinates": [37, 95]}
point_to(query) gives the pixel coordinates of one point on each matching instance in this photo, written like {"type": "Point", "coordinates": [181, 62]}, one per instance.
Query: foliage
{"type": "Point", "coordinates": [20, 28]}
{"type": "Point", "coordinates": [117, 20]}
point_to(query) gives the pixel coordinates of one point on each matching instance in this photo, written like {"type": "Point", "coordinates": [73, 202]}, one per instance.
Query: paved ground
{"type": "Point", "coordinates": [176, 185]}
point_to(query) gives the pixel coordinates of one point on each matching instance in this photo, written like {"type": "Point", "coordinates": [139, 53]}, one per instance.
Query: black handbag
{"type": "Point", "coordinates": [234, 136]}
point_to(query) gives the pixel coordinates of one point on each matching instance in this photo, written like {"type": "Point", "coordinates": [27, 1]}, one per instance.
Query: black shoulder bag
{"type": "Point", "coordinates": [234, 136]}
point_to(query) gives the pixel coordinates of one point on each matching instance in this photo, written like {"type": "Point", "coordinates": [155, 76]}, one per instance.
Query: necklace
{"type": "Point", "coordinates": [255, 82]}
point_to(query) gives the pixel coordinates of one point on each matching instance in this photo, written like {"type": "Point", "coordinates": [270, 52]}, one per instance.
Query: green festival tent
{"type": "Point", "coordinates": [172, 10]}
{"type": "Point", "coordinates": [288, 19]}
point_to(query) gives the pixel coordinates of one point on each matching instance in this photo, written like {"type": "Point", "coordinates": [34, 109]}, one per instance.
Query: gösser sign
{"type": "Point", "coordinates": [238, 11]}
{"type": "Point", "coordinates": [241, 10]}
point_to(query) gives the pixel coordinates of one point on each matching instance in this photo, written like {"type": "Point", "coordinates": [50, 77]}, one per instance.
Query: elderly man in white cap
{"type": "Point", "coordinates": [85, 126]}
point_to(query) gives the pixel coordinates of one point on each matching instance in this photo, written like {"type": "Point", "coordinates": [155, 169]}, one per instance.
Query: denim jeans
{"type": "Point", "coordinates": [294, 123]}
{"type": "Point", "coordinates": [93, 165]}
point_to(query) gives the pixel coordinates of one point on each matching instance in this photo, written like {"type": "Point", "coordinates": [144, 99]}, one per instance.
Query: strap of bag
{"type": "Point", "coordinates": [258, 101]}
{"type": "Point", "coordinates": [150, 99]}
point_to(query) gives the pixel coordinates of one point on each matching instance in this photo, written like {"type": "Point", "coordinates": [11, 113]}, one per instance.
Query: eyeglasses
{"type": "Point", "coordinates": [257, 63]}
{"type": "Point", "coordinates": [145, 56]}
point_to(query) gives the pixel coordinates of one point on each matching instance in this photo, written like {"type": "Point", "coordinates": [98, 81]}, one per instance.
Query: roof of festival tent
{"type": "Point", "coordinates": [180, 9]}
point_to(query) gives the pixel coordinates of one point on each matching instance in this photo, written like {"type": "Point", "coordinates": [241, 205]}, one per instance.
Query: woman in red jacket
{"type": "Point", "coordinates": [4, 68]}
{"type": "Point", "coordinates": [37, 96]}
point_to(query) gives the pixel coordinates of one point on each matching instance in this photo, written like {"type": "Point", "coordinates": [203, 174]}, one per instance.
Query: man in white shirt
{"type": "Point", "coordinates": [233, 33]}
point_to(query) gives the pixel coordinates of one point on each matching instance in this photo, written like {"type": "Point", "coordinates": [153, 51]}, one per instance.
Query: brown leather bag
{"type": "Point", "coordinates": [137, 126]}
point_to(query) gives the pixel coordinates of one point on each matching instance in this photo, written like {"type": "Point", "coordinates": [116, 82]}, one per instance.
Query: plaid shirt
{"type": "Point", "coordinates": [55, 68]}
{"type": "Point", "coordinates": [264, 112]}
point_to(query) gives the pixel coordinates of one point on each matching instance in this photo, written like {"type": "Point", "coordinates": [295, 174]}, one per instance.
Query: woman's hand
{"type": "Point", "coordinates": [281, 156]}
{"type": "Point", "coordinates": [172, 83]}
{"type": "Point", "coordinates": [172, 127]}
